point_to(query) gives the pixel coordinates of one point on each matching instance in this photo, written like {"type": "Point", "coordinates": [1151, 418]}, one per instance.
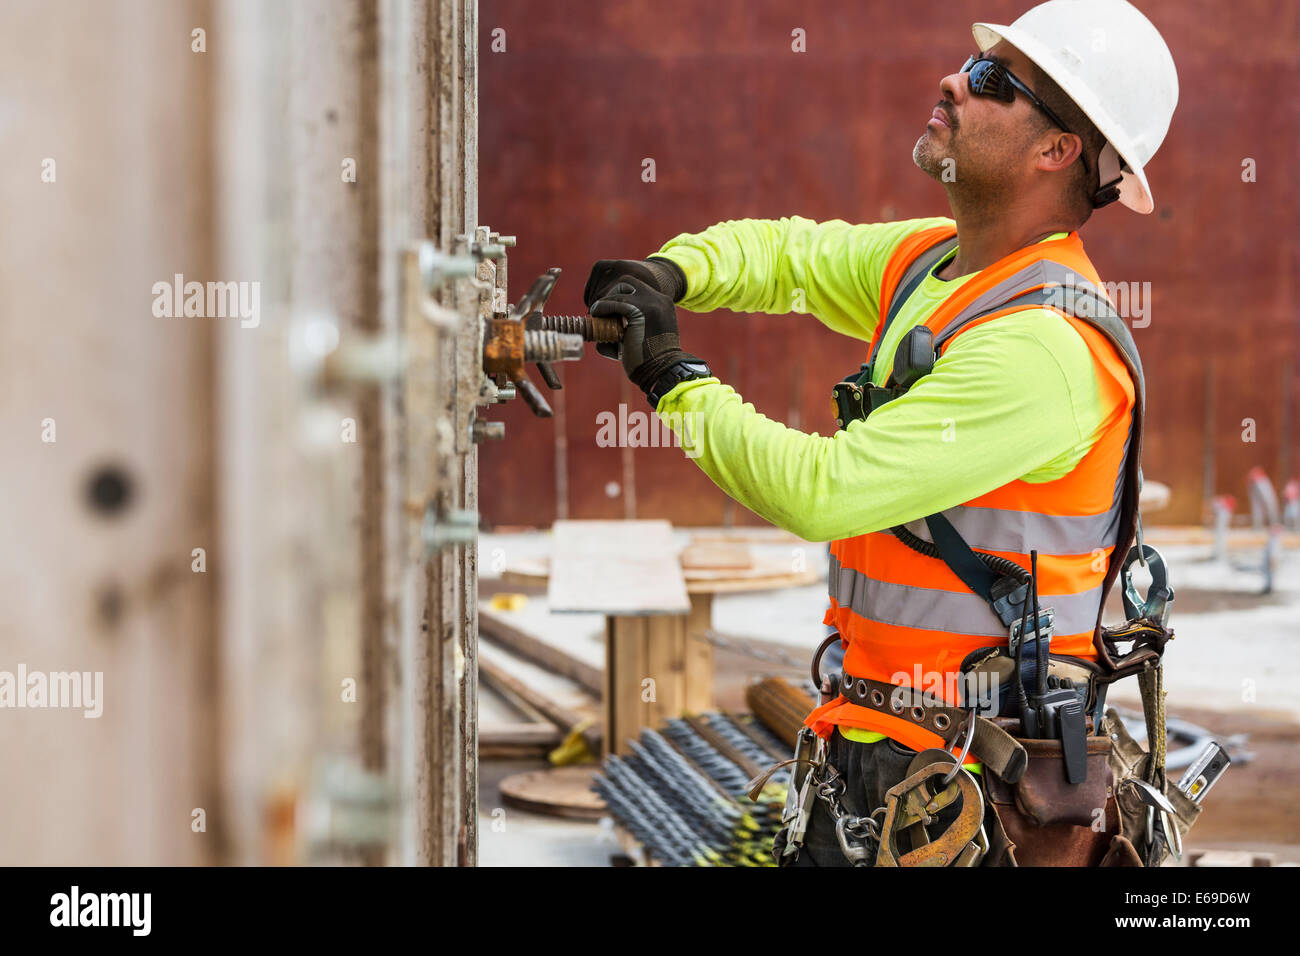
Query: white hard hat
{"type": "Point", "coordinates": [1112, 62]}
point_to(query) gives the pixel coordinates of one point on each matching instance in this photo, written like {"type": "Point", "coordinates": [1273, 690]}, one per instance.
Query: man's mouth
{"type": "Point", "coordinates": [940, 117]}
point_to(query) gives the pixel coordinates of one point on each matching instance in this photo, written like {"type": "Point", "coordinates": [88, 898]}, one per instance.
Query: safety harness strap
{"type": "Point", "coordinates": [912, 278]}
{"type": "Point", "coordinates": [959, 556]}
{"type": "Point", "coordinates": [1084, 303]}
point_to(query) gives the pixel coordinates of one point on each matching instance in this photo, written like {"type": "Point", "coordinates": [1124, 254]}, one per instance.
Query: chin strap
{"type": "Point", "coordinates": [1110, 169]}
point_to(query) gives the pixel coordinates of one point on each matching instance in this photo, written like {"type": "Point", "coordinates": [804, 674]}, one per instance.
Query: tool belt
{"type": "Point", "coordinates": [1040, 801]}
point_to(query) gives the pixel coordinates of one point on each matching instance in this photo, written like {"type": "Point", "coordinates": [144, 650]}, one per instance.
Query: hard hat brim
{"type": "Point", "coordinates": [1134, 190]}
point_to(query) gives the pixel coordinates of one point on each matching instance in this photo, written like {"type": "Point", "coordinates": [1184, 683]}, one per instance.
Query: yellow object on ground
{"type": "Point", "coordinates": [502, 601]}
{"type": "Point", "coordinates": [574, 749]}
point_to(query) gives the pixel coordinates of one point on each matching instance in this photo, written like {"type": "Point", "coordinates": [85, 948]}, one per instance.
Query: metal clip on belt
{"type": "Point", "coordinates": [910, 805]}
{"type": "Point", "coordinates": [1160, 596]}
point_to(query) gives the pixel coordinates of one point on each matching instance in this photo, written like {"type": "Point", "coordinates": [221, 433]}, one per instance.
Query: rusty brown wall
{"type": "Point", "coordinates": [740, 126]}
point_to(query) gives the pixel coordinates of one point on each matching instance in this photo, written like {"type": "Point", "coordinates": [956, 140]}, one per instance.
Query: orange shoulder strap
{"type": "Point", "coordinates": [907, 252]}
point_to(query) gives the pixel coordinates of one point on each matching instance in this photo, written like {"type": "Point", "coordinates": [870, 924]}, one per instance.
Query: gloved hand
{"type": "Point", "coordinates": [650, 342]}
{"type": "Point", "coordinates": [662, 275]}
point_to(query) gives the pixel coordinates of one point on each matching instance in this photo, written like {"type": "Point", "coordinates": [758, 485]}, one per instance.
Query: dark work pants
{"type": "Point", "coordinates": [869, 770]}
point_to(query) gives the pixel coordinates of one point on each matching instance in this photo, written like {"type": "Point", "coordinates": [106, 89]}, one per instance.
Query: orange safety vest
{"type": "Point", "coordinates": [906, 617]}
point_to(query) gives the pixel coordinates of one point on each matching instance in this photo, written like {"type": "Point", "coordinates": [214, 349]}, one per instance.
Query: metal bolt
{"type": "Point", "coordinates": [454, 526]}
{"type": "Point", "coordinates": [482, 431]}
{"type": "Point", "coordinates": [436, 267]}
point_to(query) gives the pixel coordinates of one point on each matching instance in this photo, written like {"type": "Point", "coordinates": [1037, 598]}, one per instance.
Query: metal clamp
{"type": "Point", "coordinates": [952, 844]}
{"type": "Point", "coordinates": [1160, 596]}
{"type": "Point", "coordinates": [1043, 626]}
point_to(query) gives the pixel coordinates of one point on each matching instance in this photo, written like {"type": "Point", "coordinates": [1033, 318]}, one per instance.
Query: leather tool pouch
{"type": "Point", "coordinates": [1049, 821]}
{"type": "Point", "coordinates": [1043, 795]}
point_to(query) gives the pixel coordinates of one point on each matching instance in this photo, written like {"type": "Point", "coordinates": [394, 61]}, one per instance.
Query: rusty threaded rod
{"type": "Point", "coordinates": [591, 328]}
{"type": "Point", "coordinates": [546, 345]}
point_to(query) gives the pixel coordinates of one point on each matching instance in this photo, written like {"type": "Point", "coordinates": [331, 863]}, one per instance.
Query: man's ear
{"type": "Point", "coordinates": [1059, 150]}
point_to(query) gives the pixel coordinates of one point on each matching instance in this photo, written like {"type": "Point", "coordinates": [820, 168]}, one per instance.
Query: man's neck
{"type": "Point", "coordinates": [985, 236]}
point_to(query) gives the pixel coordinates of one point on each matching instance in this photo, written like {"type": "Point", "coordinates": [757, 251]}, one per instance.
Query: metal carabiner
{"type": "Point", "coordinates": [1160, 596]}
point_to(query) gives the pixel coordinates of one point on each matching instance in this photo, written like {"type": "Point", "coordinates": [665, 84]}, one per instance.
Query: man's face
{"type": "Point", "coordinates": [980, 141]}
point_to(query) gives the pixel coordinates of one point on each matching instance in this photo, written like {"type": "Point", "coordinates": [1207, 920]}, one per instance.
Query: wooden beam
{"type": "Point", "coordinates": [512, 688]}
{"type": "Point", "coordinates": [499, 630]}
{"type": "Point", "coordinates": [518, 740]}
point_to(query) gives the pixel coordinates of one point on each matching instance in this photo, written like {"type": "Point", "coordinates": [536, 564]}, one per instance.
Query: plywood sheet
{"type": "Point", "coordinates": [616, 567]}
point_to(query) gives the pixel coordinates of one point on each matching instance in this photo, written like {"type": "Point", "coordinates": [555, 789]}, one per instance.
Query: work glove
{"type": "Point", "coordinates": [650, 343]}
{"type": "Point", "coordinates": [659, 274]}
{"type": "Point", "coordinates": [662, 275]}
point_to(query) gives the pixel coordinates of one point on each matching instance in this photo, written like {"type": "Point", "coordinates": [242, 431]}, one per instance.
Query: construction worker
{"type": "Point", "coordinates": [992, 419]}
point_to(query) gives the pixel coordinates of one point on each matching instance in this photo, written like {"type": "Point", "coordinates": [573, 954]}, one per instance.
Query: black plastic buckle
{"type": "Point", "coordinates": [854, 402]}
{"type": "Point", "coordinates": [849, 405]}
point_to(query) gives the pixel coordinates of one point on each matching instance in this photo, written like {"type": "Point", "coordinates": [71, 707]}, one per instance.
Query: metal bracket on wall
{"type": "Point", "coordinates": [348, 808]}
{"type": "Point", "coordinates": [447, 527]}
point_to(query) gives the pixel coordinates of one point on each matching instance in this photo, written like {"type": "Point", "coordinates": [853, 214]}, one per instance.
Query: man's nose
{"type": "Point", "coordinates": [954, 87]}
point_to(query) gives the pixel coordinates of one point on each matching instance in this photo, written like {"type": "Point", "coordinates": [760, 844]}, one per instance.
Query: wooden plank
{"type": "Point", "coordinates": [521, 733]}
{"type": "Point", "coordinates": [616, 567]}
{"type": "Point", "coordinates": [627, 665]}
{"type": "Point", "coordinates": [765, 573]}
{"type": "Point", "coordinates": [517, 692]}
{"type": "Point", "coordinates": [608, 698]}
{"type": "Point", "coordinates": [512, 741]}
{"type": "Point", "coordinates": [500, 630]}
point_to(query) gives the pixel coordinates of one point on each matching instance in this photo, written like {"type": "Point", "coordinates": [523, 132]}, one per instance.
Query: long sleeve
{"type": "Point", "coordinates": [976, 422]}
{"type": "Point", "coordinates": [831, 270]}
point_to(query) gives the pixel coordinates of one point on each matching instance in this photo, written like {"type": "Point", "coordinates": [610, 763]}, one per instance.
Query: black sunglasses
{"type": "Point", "coordinates": [991, 78]}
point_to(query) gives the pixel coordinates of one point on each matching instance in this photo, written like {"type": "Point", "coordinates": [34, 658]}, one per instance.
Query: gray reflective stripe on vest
{"type": "Point", "coordinates": [999, 529]}
{"type": "Point", "coordinates": [912, 277]}
{"type": "Point", "coordinates": [1038, 273]}
{"type": "Point", "coordinates": [956, 612]}
{"type": "Point", "coordinates": [1064, 290]}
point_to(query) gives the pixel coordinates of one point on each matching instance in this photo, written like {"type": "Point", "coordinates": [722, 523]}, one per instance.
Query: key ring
{"type": "Point", "coordinates": [969, 724]}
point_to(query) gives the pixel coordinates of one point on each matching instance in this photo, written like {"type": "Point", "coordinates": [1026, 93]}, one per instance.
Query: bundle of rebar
{"type": "Point", "coordinates": [681, 791]}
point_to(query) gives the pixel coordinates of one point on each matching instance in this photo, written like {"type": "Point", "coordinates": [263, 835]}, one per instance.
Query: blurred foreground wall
{"type": "Point", "coordinates": [213, 507]}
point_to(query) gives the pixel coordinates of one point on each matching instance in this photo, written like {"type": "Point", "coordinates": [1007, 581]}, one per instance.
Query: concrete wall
{"type": "Point", "coordinates": [106, 588]}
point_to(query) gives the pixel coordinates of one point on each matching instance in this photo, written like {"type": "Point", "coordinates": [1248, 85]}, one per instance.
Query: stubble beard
{"type": "Point", "coordinates": [925, 154]}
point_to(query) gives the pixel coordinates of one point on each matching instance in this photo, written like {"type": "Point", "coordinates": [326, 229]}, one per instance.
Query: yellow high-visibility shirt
{"type": "Point", "coordinates": [1015, 398]}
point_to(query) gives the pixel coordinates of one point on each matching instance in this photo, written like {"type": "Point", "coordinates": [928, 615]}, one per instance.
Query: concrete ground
{"type": "Point", "coordinates": [1232, 669]}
